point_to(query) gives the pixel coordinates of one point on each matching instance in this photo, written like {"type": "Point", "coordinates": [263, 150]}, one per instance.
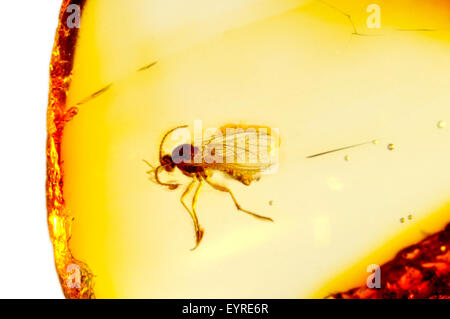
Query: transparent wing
{"type": "Point", "coordinates": [242, 148]}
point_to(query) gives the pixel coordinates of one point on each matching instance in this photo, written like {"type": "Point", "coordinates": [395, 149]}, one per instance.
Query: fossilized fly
{"type": "Point", "coordinates": [244, 162]}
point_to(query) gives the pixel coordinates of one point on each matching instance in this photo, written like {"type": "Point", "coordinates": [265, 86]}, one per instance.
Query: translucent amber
{"type": "Point", "coordinates": [326, 74]}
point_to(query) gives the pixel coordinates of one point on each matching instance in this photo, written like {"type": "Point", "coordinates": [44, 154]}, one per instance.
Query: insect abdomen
{"type": "Point", "coordinates": [244, 178]}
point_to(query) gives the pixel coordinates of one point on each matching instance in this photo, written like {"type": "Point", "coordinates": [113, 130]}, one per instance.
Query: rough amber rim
{"type": "Point", "coordinates": [59, 220]}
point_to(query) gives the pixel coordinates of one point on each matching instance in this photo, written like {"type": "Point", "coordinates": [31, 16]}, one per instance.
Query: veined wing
{"type": "Point", "coordinates": [251, 149]}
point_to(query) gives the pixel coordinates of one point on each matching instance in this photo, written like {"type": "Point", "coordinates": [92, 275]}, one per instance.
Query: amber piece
{"type": "Point", "coordinates": [328, 76]}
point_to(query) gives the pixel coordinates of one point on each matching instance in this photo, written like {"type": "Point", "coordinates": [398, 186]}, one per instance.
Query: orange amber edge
{"type": "Point", "coordinates": [420, 271]}
{"type": "Point", "coordinates": [75, 276]}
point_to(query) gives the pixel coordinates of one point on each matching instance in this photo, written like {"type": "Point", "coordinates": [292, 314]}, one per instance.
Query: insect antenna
{"type": "Point", "coordinates": [154, 175]}
{"type": "Point", "coordinates": [151, 166]}
{"type": "Point", "coordinates": [154, 172]}
{"type": "Point", "coordinates": [151, 172]}
{"type": "Point", "coordinates": [164, 139]}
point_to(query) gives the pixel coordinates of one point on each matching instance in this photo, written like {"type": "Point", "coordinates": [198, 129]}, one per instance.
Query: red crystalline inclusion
{"type": "Point", "coordinates": [421, 271]}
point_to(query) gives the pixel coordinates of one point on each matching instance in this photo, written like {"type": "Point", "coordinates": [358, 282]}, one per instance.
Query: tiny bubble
{"type": "Point", "coordinates": [271, 202]}
{"type": "Point", "coordinates": [375, 142]}
{"type": "Point", "coordinates": [347, 158]}
{"type": "Point", "coordinates": [402, 220]}
{"type": "Point", "coordinates": [391, 147]}
{"type": "Point", "coordinates": [410, 217]}
{"type": "Point", "coordinates": [441, 124]}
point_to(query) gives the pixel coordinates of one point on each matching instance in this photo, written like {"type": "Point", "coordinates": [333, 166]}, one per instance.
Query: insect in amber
{"type": "Point", "coordinates": [244, 162]}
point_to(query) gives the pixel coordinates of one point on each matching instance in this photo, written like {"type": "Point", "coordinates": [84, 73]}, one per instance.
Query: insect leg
{"type": "Point", "coordinates": [227, 190]}
{"type": "Point", "coordinates": [198, 230]}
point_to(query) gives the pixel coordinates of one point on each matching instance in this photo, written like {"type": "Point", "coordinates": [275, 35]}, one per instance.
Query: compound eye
{"type": "Point", "coordinates": [167, 163]}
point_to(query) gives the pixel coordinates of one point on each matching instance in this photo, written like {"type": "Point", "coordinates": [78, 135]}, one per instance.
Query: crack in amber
{"type": "Point", "coordinates": [59, 219]}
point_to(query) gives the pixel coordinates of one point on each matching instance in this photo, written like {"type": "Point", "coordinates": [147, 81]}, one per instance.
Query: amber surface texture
{"type": "Point", "coordinates": [250, 148]}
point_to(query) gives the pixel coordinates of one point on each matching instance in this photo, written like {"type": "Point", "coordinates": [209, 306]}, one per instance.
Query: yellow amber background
{"type": "Point", "coordinates": [292, 65]}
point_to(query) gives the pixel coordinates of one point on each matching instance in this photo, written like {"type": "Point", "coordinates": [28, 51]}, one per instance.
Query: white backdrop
{"type": "Point", "coordinates": [26, 257]}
